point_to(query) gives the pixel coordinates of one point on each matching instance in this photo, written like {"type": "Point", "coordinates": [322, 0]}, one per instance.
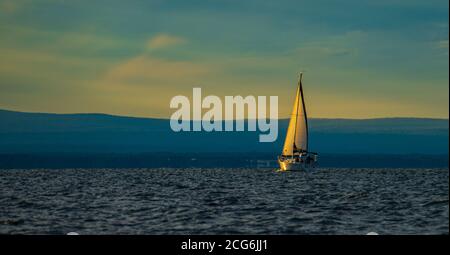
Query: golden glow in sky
{"type": "Point", "coordinates": [361, 59]}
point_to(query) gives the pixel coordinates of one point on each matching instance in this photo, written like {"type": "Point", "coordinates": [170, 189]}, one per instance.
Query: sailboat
{"type": "Point", "coordinates": [295, 155]}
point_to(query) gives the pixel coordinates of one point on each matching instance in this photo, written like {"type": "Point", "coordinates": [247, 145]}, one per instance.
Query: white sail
{"type": "Point", "coordinates": [297, 133]}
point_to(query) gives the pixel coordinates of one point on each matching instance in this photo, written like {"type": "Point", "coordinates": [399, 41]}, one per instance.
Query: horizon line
{"type": "Point", "coordinates": [147, 117]}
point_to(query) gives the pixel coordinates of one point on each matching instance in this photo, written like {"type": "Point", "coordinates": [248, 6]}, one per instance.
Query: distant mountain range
{"type": "Point", "coordinates": [100, 133]}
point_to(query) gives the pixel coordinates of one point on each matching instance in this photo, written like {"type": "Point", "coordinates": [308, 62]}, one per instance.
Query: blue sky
{"type": "Point", "coordinates": [362, 59]}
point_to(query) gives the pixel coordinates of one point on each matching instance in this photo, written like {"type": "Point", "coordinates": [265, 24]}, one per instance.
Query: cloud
{"type": "Point", "coordinates": [40, 65]}
{"type": "Point", "coordinates": [342, 45]}
{"type": "Point", "coordinates": [442, 44]}
{"type": "Point", "coordinates": [45, 81]}
{"type": "Point", "coordinates": [83, 42]}
{"type": "Point", "coordinates": [90, 41]}
{"type": "Point", "coordinates": [164, 41]}
{"type": "Point", "coordinates": [145, 84]}
{"type": "Point", "coordinates": [325, 52]}
{"type": "Point", "coordinates": [147, 69]}
{"type": "Point", "coordinates": [9, 7]}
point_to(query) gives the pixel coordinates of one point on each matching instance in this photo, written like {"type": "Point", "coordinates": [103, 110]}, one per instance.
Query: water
{"type": "Point", "coordinates": [224, 201]}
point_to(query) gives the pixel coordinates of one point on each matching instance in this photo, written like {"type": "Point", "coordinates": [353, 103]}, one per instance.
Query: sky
{"type": "Point", "coordinates": [361, 58]}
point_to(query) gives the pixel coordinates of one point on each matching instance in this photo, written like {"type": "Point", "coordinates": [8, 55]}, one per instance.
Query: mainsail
{"type": "Point", "coordinates": [297, 133]}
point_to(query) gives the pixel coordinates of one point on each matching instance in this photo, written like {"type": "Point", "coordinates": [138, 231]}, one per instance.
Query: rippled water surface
{"type": "Point", "coordinates": [224, 201]}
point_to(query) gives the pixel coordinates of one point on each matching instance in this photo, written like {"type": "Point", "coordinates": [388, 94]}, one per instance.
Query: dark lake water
{"type": "Point", "coordinates": [224, 201]}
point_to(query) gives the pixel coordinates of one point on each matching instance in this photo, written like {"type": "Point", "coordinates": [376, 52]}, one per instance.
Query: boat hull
{"type": "Point", "coordinates": [294, 166]}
